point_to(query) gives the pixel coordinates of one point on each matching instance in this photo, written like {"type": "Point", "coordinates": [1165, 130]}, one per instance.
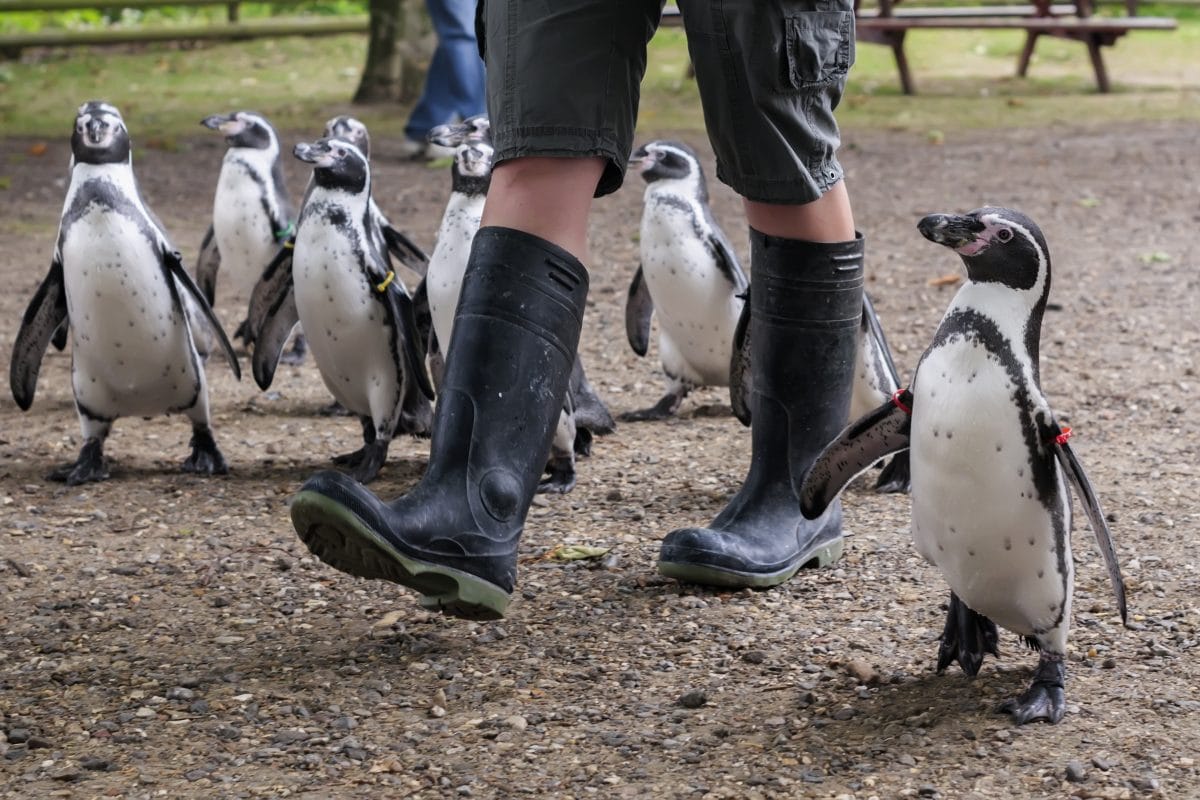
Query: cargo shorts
{"type": "Point", "coordinates": [564, 80]}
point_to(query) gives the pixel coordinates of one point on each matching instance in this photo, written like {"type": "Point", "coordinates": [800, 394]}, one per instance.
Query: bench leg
{"type": "Point", "coordinates": [1031, 38]}
{"type": "Point", "coordinates": [1093, 46]}
{"type": "Point", "coordinates": [906, 81]}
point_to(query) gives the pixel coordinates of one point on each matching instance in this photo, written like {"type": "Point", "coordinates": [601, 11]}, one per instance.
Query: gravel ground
{"type": "Point", "coordinates": [169, 636]}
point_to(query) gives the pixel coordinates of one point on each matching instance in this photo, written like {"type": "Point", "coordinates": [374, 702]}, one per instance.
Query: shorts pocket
{"type": "Point", "coordinates": [819, 48]}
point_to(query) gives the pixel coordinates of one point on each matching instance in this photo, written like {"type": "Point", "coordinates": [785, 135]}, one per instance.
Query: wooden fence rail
{"type": "Point", "coordinates": [232, 28]}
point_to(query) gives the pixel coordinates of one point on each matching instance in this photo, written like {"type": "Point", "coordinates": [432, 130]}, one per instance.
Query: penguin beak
{"type": "Point", "coordinates": [226, 124]}
{"type": "Point", "coordinates": [449, 135]}
{"type": "Point", "coordinates": [641, 163]}
{"type": "Point", "coordinates": [316, 154]}
{"type": "Point", "coordinates": [96, 132]}
{"type": "Point", "coordinates": [955, 231]}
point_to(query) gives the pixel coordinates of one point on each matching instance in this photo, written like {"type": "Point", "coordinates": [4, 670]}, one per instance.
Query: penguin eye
{"type": "Point", "coordinates": [1004, 235]}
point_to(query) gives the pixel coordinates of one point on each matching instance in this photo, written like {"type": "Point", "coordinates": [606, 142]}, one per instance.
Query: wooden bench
{"type": "Point", "coordinates": [231, 28]}
{"type": "Point", "coordinates": [889, 24]}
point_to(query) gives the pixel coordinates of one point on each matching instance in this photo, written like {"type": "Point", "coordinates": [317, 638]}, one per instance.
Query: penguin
{"type": "Point", "coordinates": [470, 176]}
{"type": "Point", "coordinates": [689, 277]}
{"type": "Point", "coordinates": [343, 290]}
{"type": "Point", "coordinates": [130, 304]}
{"type": "Point", "coordinates": [584, 414]}
{"type": "Point", "coordinates": [252, 215]}
{"type": "Point", "coordinates": [387, 236]}
{"type": "Point", "coordinates": [992, 469]}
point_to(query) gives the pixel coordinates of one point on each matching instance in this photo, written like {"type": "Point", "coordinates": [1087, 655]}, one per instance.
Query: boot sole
{"type": "Point", "coordinates": [342, 540]}
{"type": "Point", "coordinates": [820, 556]}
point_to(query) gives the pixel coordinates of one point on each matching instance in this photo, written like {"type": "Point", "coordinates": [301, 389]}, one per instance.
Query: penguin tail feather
{"type": "Point", "coordinates": [967, 637]}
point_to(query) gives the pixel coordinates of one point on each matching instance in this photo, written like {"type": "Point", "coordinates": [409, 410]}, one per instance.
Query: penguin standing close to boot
{"type": "Point", "coordinates": [252, 215]}
{"type": "Point", "coordinates": [991, 467]}
{"type": "Point", "coordinates": [129, 305]}
{"type": "Point", "coordinates": [584, 415]}
{"type": "Point", "coordinates": [343, 290]}
{"type": "Point", "coordinates": [690, 278]}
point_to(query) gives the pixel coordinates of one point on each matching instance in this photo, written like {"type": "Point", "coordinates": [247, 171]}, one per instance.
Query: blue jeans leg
{"type": "Point", "coordinates": [455, 83]}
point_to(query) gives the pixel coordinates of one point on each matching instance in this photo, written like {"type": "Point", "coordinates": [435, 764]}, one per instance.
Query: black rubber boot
{"type": "Point", "coordinates": [806, 304]}
{"type": "Point", "coordinates": [454, 537]}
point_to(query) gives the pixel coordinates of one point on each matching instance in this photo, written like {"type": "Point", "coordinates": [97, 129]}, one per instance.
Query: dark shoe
{"type": "Point", "coordinates": [454, 536]}
{"type": "Point", "coordinates": [806, 304]}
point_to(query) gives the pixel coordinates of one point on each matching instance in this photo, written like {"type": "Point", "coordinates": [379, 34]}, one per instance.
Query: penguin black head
{"type": "Point", "coordinates": [244, 129]}
{"type": "Point", "coordinates": [350, 130]}
{"type": "Point", "coordinates": [472, 129]}
{"type": "Point", "coordinates": [337, 164]}
{"type": "Point", "coordinates": [997, 245]}
{"type": "Point", "coordinates": [472, 170]}
{"type": "Point", "coordinates": [100, 135]}
{"type": "Point", "coordinates": [669, 161]}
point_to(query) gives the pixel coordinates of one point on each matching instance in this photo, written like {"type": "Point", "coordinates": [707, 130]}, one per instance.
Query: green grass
{"type": "Point", "coordinates": [964, 79]}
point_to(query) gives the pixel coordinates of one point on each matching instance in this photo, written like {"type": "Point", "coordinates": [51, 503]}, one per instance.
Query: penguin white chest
{"type": "Point", "coordinates": [241, 225]}
{"type": "Point", "coordinates": [694, 301]}
{"type": "Point", "coordinates": [132, 351]}
{"type": "Point", "coordinates": [976, 513]}
{"type": "Point", "coordinates": [346, 324]}
{"type": "Point", "coordinates": [443, 278]}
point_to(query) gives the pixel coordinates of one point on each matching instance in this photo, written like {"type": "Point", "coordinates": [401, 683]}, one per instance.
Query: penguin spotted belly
{"type": "Point", "coordinates": [443, 279]}
{"type": "Point", "coordinates": [975, 512]}
{"type": "Point", "coordinates": [696, 313]}
{"type": "Point", "coordinates": [132, 353]}
{"type": "Point", "coordinates": [344, 324]}
{"type": "Point", "coordinates": [242, 227]}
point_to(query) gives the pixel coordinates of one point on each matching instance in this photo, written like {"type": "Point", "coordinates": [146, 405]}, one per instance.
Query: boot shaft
{"type": "Point", "coordinates": [806, 305]}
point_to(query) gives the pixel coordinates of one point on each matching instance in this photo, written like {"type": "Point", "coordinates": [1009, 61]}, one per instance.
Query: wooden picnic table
{"type": "Point", "coordinates": [889, 22]}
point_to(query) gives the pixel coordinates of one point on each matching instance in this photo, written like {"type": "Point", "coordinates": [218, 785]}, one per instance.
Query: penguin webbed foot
{"type": "Point", "coordinates": [296, 355]}
{"type": "Point", "coordinates": [90, 466]}
{"type": "Point", "coordinates": [560, 476]}
{"type": "Point", "coordinates": [663, 409]}
{"type": "Point", "coordinates": [206, 458]}
{"type": "Point", "coordinates": [1045, 699]}
{"type": "Point", "coordinates": [369, 461]}
{"type": "Point", "coordinates": [895, 478]}
{"type": "Point", "coordinates": [334, 409]}
{"type": "Point", "coordinates": [967, 637]}
{"type": "Point", "coordinates": [416, 418]}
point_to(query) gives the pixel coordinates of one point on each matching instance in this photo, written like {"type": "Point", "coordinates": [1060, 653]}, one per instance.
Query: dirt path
{"type": "Point", "coordinates": [168, 636]}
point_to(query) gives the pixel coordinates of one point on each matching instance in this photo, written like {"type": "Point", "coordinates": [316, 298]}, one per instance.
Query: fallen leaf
{"type": "Point", "coordinates": [38, 149]}
{"type": "Point", "coordinates": [576, 552]}
{"type": "Point", "coordinates": [949, 279]}
{"type": "Point", "coordinates": [1089, 202]}
{"type": "Point", "coordinates": [1157, 257]}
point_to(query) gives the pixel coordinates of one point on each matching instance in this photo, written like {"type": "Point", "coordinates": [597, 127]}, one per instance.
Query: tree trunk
{"type": "Point", "coordinates": [394, 71]}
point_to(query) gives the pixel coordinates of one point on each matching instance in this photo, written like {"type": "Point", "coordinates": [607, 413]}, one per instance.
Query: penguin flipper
{"type": "Point", "coordinates": [875, 435]}
{"type": "Point", "coordinates": [874, 329]}
{"type": "Point", "coordinates": [404, 249]}
{"type": "Point", "coordinates": [59, 340]}
{"type": "Point", "coordinates": [45, 316]}
{"type": "Point", "coordinates": [639, 308]}
{"type": "Point", "coordinates": [741, 383]}
{"type": "Point", "coordinates": [1091, 507]}
{"type": "Point", "coordinates": [207, 266]}
{"type": "Point", "coordinates": [588, 411]}
{"type": "Point", "coordinates": [173, 263]}
{"type": "Point", "coordinates": [276, 278]}
{"type": "Point", "coordinates": [408, 336]}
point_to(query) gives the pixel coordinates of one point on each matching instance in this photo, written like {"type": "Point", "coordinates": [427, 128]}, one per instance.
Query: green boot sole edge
{"type": "Point", "coordinates": [342, 540]}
